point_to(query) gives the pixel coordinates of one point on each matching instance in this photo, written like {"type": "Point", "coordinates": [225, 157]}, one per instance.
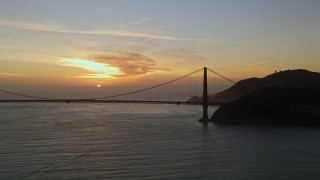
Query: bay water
{"type": "Point", "coordinates": [147, 141]}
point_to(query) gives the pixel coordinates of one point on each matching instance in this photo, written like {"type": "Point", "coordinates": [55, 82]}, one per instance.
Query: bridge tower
{"type": "Point", "coordinates": [205, 97]}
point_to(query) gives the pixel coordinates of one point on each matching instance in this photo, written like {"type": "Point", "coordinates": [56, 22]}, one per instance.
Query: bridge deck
{"type": "Point", "coordinates": [106, 101]}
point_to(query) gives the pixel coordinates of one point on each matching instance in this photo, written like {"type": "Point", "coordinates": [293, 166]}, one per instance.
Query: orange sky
{"type": "Point", "coordinates": [122, 43]}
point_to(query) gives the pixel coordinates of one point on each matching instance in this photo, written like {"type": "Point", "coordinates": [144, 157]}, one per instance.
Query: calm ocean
{"type": "Point", "coordinates": [139, 141]}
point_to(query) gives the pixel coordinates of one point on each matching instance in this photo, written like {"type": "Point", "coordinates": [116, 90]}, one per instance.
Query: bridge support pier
{"type": "Point", "coordinates": [205, 118]}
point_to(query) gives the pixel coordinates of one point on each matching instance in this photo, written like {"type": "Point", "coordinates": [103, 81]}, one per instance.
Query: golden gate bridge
{"type": "Point", "coordinates": [201, 83]}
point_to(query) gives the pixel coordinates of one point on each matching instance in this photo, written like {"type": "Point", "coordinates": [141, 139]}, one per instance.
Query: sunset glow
{"type": "Point", "coordinates": [159, 89]}
{"type": "Point", "coordinates": [101, 70]}
{"type": "Point", "coordinates": [126, 42]}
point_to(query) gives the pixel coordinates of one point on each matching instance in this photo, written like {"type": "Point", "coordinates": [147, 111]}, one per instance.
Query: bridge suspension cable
{"type": "Point", "coordinates": [222, 76]}
{"type": "Point", "coordinates": [25, 95]}
{"type": "Point", "coordinates": [178, 90]}
{"type": "Point", "coordinates": [149, 88]}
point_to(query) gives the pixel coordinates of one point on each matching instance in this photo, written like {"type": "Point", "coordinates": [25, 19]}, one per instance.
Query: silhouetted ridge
{"type": "Point", "coordinates": [273, 105]}
{"type": "Point", "coordinates": [289, 78]}
{"type": "Point", "coordinates": [280, 96]}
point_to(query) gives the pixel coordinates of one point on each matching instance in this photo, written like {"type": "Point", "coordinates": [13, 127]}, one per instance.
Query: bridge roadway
{"type": "Point", "coordinates": [107, 101]}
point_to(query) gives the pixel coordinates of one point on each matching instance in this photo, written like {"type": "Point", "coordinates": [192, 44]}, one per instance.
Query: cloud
{"type": "Point", "coordinates": [241, 69]}
{"type": "Point", "coordinates": [102, 70]}
{"type": "Point", "coordinates": [112, 31]}
{"type": "Point", "coordinates": [139, 21]}
{"type": "Point", "coordinates": [262, 61]}
{"type": "Point", "coordinates": [108, 31]}
{"type": "Point", "coordinates": [12, 75]}
{"type": "Point", "coordinates": [96, 76]}
{"type": "Point", "coordinates": [130, 64]}
{"type": "Point", "coordinates": [8, 74]}
{"type": "Point", "coordinates": [13, 23]}
{"type": "Point", "coordinates": [112, 66]}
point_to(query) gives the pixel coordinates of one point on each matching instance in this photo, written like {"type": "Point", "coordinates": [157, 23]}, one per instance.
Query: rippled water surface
{"type": "Point", "coordinates": [136, 141]}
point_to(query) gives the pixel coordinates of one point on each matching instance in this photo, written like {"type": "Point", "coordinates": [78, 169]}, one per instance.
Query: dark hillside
{"type": "Point", "coordinates": [273, 105]}
{"type": "Point", "coordinates": [290, 79]}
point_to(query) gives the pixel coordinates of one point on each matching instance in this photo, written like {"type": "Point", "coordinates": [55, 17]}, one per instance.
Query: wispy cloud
{"type": "Point", "coordinates": [130, 64]}
{"type": "Point", "coordinates": [109, 31]}
{"type": "Point", "coordinates": [8, 74]}
{"type": "Point", "coordinates": [13, 23]}
{"type": "Point", "coordinates": [241, 69]}
{"type": "Point", "coordinates": [262, 61]}
{"type": "Point", "coordinates": [140, 21]}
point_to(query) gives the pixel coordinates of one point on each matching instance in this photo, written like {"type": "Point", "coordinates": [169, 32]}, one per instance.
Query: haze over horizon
{"type": "Point", "coordinates": [124, 42]}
